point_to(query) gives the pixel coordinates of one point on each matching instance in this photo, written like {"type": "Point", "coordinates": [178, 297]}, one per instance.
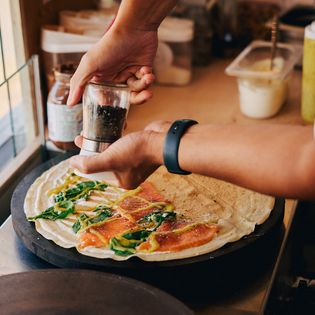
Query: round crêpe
{"type": "Point", "coordinates": [202, 205]}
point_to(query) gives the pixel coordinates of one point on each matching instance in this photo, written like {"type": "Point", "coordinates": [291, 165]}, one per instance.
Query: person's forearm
{"type": "Point", "coordinates": [143, 14]}
{"type": "Point", "coordinates": [272, 159]}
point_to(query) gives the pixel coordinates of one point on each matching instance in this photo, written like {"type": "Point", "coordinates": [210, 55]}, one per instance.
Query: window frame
{"type": "Point", "coordinates": [30, 90]}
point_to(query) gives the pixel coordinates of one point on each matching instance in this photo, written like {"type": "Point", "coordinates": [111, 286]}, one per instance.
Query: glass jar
{"type": "Point", "coordinates": [64, 123]}
{"type": "Point", "coordinates": [105, 108]}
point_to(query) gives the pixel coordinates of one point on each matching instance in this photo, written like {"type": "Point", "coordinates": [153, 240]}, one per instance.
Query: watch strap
{"type": "Point", "coordinates": [171, 145]}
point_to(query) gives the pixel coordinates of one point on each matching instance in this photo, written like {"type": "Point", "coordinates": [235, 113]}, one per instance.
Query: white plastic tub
{"type": "Point", "coordinates": [263, 90]}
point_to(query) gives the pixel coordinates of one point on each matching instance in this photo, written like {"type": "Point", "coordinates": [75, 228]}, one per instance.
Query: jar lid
{"type": "Point", "coordinates": [176, 30]}
{"type": "Point", "coordinates": [310, 31]}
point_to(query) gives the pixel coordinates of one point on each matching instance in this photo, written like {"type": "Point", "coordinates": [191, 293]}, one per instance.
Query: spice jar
{"type": "Point", "coordinates": [64, 123]}
{"type": "Point", "coordinates": [105, 109]}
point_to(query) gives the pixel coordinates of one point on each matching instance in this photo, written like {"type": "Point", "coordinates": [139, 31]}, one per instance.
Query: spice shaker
{"type": "Point", "coordinates": [105, 108]}
{"type": "Point", "coordinates": [64, 123]}
{"type": "Point", "coordinates": [308, 81]}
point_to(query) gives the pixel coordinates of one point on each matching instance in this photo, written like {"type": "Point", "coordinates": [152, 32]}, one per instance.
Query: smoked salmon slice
{"type": "Point", "coordinates": [147, 223]}
{"type": "Point", "coordinates": [177, 240]}
{"type": "Point", "coordinates": [99, 236]}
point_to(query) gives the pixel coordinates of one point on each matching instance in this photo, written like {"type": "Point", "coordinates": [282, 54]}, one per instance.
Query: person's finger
{"type": "Point", "coordinates": [78, 141]}
{"type": "Point", "coordinates": [158, 126]}
{"type": "Point", "coordinates": [80, 78]}
{"type": "Point", "coordinates": [143, 71]}
{"type": "Point", "coordinates": [138, 85]}
{"type": "Point", "coordinates": [124, 74]}
{"type": "Point", "coordinates": [90, 164]}
{"type": "Point", "coordinates": [140, 98]}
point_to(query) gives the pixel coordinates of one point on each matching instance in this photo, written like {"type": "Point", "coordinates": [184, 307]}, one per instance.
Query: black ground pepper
{"type": "Point", "coordinates": [107, 125]}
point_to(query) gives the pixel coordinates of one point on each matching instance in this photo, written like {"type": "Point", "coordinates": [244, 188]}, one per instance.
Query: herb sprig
{"type": "Point", "coordinates": [85, 221]}
{"type": "Point", "coordinates": [65, 200]}
{"type": "Point", "coordinates": [58, 211]}
{"type": "Point", "coordinates": [125, 244]}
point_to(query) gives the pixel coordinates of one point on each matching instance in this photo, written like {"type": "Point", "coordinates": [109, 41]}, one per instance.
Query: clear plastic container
{"type": "Point", "coordinates": [60, 48]}
{"type": "Point", "coordinates": [173, 62]}
{"type": "Point", "coordinates": [105, 109]}
{"type": "Point", "coordinates": [262, 89]}
{"type": "Point", "coordinates": [86, 22]}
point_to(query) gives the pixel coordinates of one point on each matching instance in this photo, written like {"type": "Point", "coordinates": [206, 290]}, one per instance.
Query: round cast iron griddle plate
{"type": "Point", "coordinates": [70, 258]}
{"type": "Point", "coordinates": [82, 292]}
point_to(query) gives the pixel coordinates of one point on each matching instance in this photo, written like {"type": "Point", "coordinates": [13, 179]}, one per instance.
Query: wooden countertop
{"type": "Point", "coordinates": [212, 97]}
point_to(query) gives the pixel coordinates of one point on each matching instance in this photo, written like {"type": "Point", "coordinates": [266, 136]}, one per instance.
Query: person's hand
{"type": "Point", "coordinates": [132, 158]}
{"type": "Point", "coordinates": [120, 56]}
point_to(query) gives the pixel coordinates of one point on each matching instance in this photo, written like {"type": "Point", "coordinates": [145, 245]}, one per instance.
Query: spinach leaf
{"type": "Point", "coordinates": [137, 235]}
{"type": "Point", "coordinates": [54, 213]}
{"type": "Point", "coordinates": [125, 244]}
{"type": "Point", "coordinates": [85, 221]}
{"type": "Point", "coordinates": [100, 217]}
{"type": "Point", "coordinates": [60, 197]}
{"type": "Point", "coordinates": [78, 224]}
{"type": "Point", "coordinates": [101, 207]}
{"type": "Point", "coordinates": [120, 250]}
{"type": "Point", "coordinates": [80, 191]}
{"type": "Point", "coordinates": [154, 219]}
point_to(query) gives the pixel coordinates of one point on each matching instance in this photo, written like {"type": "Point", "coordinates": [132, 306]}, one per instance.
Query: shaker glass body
{"type": "Point", "coordinates": [105, 108]}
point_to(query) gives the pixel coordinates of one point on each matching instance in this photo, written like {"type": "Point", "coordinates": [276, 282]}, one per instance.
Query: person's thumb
{"type": "Point", "coordinates": [90, 164]}
{"type": "Point", "coordinates": [79, 80]}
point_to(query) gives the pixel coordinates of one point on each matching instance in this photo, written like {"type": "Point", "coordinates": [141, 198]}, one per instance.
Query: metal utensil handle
{"type": "Point", "coordinates": [274, 38]}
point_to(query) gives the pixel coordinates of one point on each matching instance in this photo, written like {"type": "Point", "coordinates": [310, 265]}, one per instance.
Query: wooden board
{"type": "Point", "coordinates": [85, 292]}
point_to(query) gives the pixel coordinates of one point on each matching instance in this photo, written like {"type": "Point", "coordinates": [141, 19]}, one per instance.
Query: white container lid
{"type": "Point", "coordinates": [258, 50]}
{"type": "Point", "coordinates": [54, 41]}
{"type": "Point", "coordinates": [176, 30]}
{"type": "Point", "coordinates": [310, 31]}
{"type": "Point", "coordinates": [88, 18]}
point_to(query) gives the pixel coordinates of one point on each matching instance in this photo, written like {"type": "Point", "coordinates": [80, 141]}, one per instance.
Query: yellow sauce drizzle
{"type": "Point", "coordinates": [129, 193]}
{"type": "Point", "coordinates": [69, 180]}
{"type": "Point", "coordinates": [100, 236]}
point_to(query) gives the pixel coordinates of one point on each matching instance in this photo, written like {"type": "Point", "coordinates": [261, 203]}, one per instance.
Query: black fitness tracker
{"type": "Point", "coordinates": [171, 145]}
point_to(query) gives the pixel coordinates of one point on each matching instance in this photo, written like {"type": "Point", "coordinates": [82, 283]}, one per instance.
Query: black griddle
{"type": "Point", "coordinates": [82, 292]}
{"type": "Point", "coordinates": [226, 269]}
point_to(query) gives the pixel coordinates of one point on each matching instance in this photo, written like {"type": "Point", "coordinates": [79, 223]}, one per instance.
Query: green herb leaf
{"type": "Point", "coordinates": [119, 249]}
{"type": "Point", "coordinates": [53, 213]}
{"type": "Point", "coordinates": [100, 217]}
{"type": "Point", "coordinates": [154, 219]}
{"type": "Point", "coordinates": [59, 197]}
{"type": "Point", "coordinates": [101, 208]}
{"type": "Point", "coordinates": [85, 221]}
{"type": "Point", "coordinates": [125, 244]}
{"type": "Point", "coordinates": [78, 224]}
{"type": "Point", "coordinates": [138, 235]}
{"type": "Point", "coordinates": [80, 191]}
